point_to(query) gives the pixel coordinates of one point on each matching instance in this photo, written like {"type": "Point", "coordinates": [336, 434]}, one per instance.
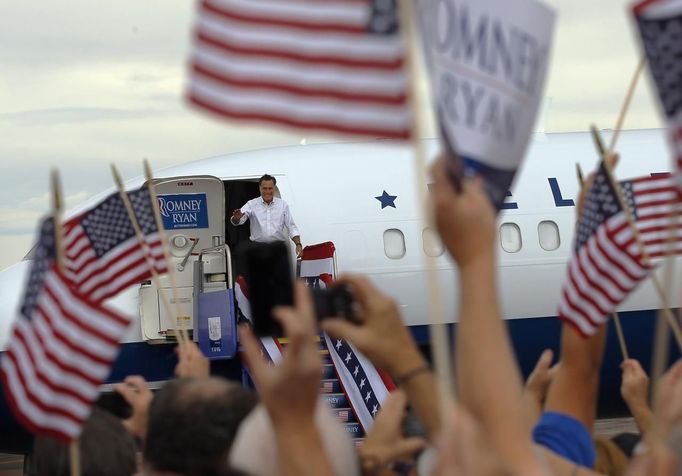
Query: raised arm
{"type": "Point", "coordinates": [489, 381]}
{"type": "Point", "coordinates": [290, 391]}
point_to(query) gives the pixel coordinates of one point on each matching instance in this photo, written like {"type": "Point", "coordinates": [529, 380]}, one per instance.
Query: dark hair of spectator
{"type": "Point", "coordinates": [267, 177]}
{"type": "Point", "coordinates": [192, 424]}
{"type": "Point", "coordinates": [106, 449]}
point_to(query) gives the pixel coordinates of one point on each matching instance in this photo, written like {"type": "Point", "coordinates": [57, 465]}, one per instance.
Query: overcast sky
{"type": "Point", "coordinates": [86, 83]}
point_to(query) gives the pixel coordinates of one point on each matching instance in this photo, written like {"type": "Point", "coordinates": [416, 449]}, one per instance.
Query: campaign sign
{"type": "Point", "coordinates": [184, 210]}
{"type": "Point", "coordinates": [487, 63]}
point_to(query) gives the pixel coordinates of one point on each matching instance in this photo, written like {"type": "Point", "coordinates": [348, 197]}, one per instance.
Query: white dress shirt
{"type": "Point", "coordinates": [268, 220]}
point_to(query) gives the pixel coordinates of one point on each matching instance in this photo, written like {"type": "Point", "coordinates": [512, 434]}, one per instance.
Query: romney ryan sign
{"type": "Point", "coordinates": [487, 61]}
{"type": "Point", "coordinates": [183, 210]}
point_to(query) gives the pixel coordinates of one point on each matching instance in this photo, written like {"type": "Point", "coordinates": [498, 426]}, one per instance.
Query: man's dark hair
{"type": "Point", "coordinates": [192, 424]}
{"type": "Point", "coordinates": [106, 449]}
{"type": "Point", "coordinates": [267, 177]}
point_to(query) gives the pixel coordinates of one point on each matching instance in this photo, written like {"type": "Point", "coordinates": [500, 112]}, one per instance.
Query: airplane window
{"type": "Point", "coordinates": [394, 243]}
{"type": "Point", "coordinates": [432, 244]}
{"type": "Point", "coordinates": [548, 233]}
{"type": "Point", "coordinates": [510, 237]}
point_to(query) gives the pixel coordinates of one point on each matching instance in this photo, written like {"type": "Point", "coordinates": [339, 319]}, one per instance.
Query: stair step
{"type": "Point", "coordinates": [328, 372]}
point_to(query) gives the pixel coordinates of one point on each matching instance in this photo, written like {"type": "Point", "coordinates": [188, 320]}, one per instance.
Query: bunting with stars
{"type": "Point", "coordinates": [363, 384]}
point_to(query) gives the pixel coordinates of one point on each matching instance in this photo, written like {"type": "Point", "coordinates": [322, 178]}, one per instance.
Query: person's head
{"type": "Point", "coordinates": [106, 449]}
{"type": "Point", "coordinates": [266, 184]}
{"type": "Point", "coordinates": [192, 423]}
{"type": "Point", "coordinates": [255, 448]}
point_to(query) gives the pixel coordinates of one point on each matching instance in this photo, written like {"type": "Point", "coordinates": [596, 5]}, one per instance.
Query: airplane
{"type": "Point", "coordinates": [363, 198]}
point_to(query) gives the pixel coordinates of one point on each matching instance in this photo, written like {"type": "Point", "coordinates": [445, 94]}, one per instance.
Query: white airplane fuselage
{"type": "Point", "coordinates": [333, 190]}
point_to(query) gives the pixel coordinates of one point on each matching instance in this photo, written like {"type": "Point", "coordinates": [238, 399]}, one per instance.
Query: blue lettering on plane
{"type": "Point", "coordinates": [509, 205]}
{"type": "Point", "coordinates": [559, 201]}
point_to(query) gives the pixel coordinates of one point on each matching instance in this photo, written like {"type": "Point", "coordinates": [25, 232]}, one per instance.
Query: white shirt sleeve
{"type": "Point", "coordinates": [289, 222]}
{"type": "Point", "coordinates": [246, 210]}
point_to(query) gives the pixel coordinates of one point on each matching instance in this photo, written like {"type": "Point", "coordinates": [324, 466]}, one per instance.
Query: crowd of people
{"type": "Point", "coordinates": [495, 425]}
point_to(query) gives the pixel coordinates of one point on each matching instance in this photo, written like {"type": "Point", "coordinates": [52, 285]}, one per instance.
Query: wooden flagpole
{"type": "Point", "coordinates": [626, 105]}
{"type": "Point", "coordinates": [616, 318]}
{"type": "Point", "coordinates": [162, 233]}
{"type": "Point", "coordinates": [440, 346]}
{"type": "Point", "coordinates": [57, 208]}
{"type": "Point", "coordinates": [608, 163]}
{"type": "Point", "coordinates": [182, 337]}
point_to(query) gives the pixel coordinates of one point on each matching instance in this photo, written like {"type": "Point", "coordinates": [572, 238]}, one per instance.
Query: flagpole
{"type": "Point", "coordinates": [57, 208]}
{"type": "Point", "coordinates": [162, 233]}
{"type": "Point", "coordinates": [440, 346]}
{"type": "Point", "coordinates": [626, 105]}
{"type": "Point", "coordinates": [182, 338]}
{"type": "Point", "coordinates": [616, 318]}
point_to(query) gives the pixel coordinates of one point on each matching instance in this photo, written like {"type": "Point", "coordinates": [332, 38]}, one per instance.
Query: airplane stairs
{"type": "Point", "coordinates": [333, 393]}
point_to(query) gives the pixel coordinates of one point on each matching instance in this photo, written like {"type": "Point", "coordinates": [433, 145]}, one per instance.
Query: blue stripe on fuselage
{"type": "Point", "coordinates": [529, 338]}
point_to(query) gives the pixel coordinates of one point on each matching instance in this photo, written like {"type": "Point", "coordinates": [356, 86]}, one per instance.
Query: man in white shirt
{"type": "Point", "coordinates": [268, 215]}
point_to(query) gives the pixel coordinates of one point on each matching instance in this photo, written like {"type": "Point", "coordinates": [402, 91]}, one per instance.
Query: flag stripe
{"type": "Point", "coordinates": [77, 372]}
{"type": "Point", "coordinates": [351, 21]}
{"type": "Point", "coordinates": [41, 393]}
{"type": "Point", "coordinates": [317, 90]}
{"type": "Point", "coordinates": [210, 104]}
{"type": "Point", "coordinates": [46, 368]}
{"type": "Point", "coordinates": [326, 47]}
{"type": "Point", "coordinates": [31, 416]}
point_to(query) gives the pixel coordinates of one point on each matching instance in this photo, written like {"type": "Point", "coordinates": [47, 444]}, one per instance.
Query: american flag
{"type": "Point", "coordinates": [660, 27]}
{"type": "Point", "coordinates": [327, 386]}
{"type": "Point", "coordinates": [653, 201]}
{"type": "Point", "coordinates": [60, 351]}
{"type": "Point", "coordinates": [102, 253]}
{"type": "Point", "coordinates": [343, 415]}
{"type": "Point", "coordinates": [332, 66]}
{"type": "Point", "coordinates": [606, 263]}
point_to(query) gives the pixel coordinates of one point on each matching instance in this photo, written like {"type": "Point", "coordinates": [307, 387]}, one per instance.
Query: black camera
{"type": "Point", "coordinates": [270, 283]}
{"type": "Point", "coordinates": [336, 301]}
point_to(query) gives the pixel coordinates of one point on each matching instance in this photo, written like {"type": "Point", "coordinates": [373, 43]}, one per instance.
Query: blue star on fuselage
{"type": "Point", "coordinates": [387, 200]}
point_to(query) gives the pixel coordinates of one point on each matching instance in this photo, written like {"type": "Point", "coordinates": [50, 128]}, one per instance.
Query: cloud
{"type": "Point", "coordinates": [49, 117]}
{"type": "Point", "coordinates": [23, 218]}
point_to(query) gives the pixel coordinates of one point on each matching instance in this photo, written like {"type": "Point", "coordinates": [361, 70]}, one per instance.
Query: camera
{"type": "Point", "coordinates": [336, 301]}
{"type": "Point", "coordinates": [270, 282]}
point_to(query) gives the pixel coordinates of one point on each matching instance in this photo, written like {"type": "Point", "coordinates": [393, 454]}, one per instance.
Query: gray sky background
{"type": "Point", "coordinates": [84, 84]}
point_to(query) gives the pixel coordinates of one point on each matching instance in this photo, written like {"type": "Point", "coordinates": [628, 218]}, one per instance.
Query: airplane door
{"type": "Point", "coordinates": [193, 214]}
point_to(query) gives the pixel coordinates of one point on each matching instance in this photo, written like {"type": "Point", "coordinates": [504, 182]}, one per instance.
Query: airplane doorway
{"type": "Point", "coordinates": [237, 193]}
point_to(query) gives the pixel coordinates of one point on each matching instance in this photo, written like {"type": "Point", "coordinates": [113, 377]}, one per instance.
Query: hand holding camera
{"type": "Point", "coordinates": [270, 282]}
